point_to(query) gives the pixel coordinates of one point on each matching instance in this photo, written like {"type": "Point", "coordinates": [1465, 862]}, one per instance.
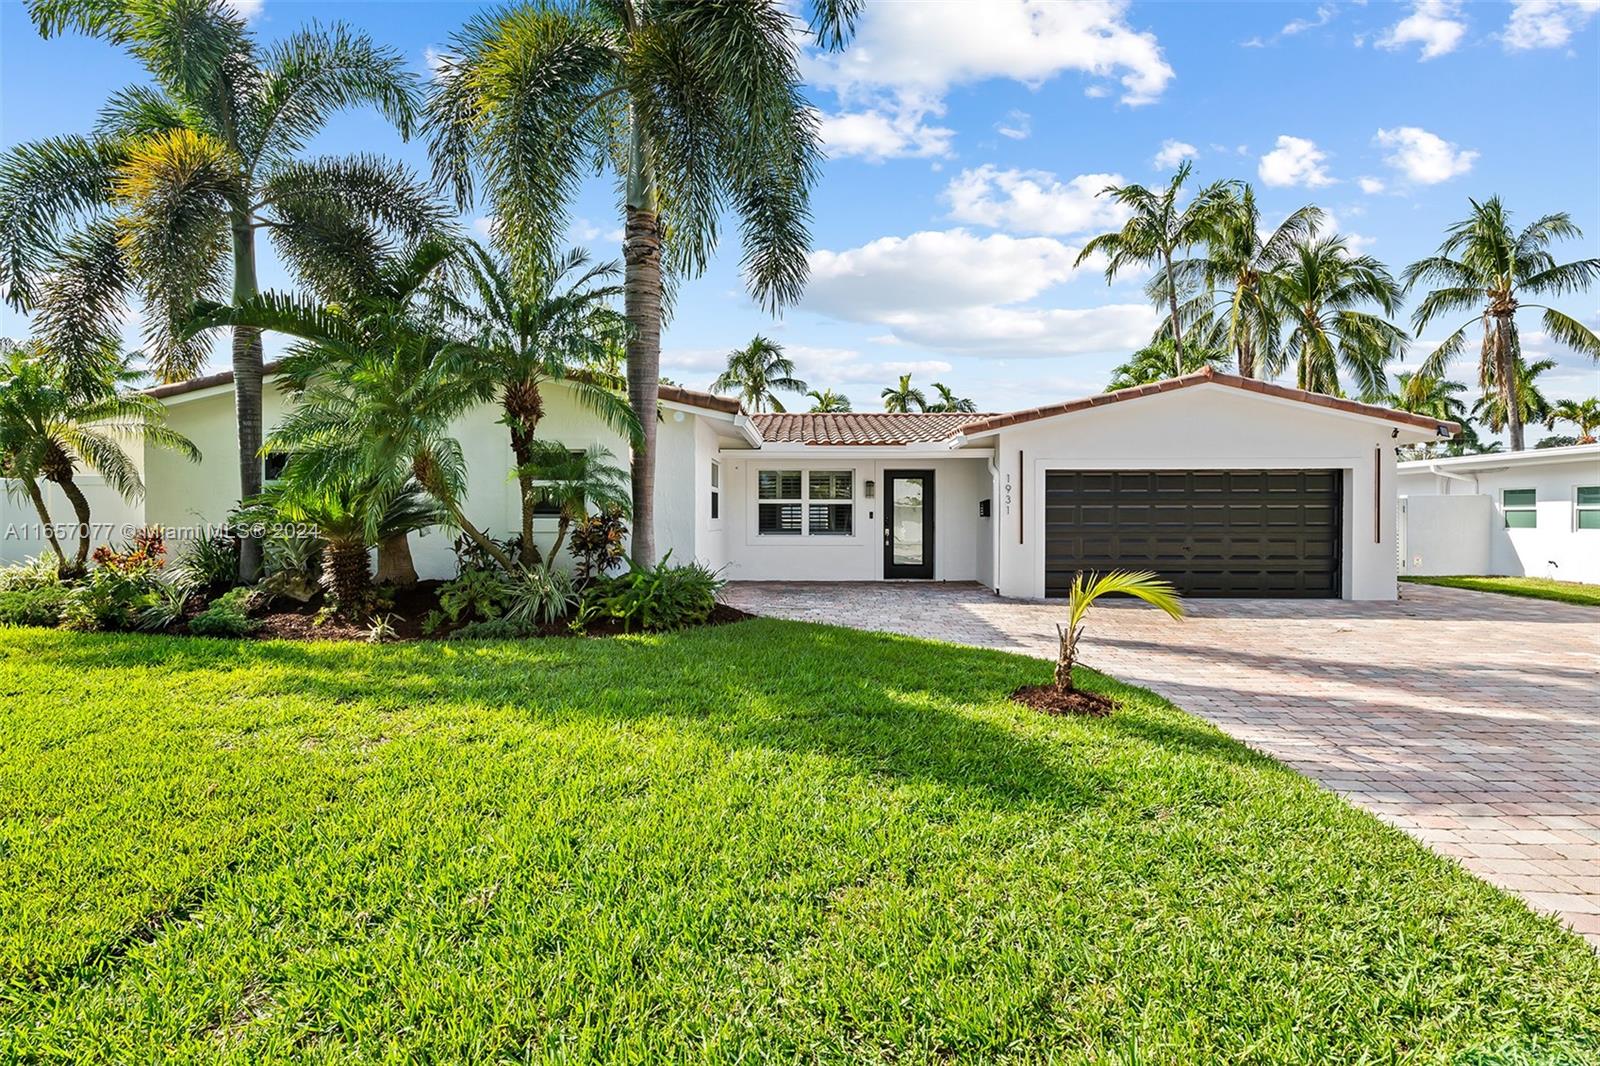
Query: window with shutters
{"type": "Point", "coordinates": [805, 503]}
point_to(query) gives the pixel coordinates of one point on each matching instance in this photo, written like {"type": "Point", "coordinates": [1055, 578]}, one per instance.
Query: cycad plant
{"type": "Point", "coordinates": [1160, 227]}
{"type": "Point", "coordinates": [1326, 291]}
{"type": "Point", "coordinates": [1488, 268]}
{"type": "Point", "coordinates": [556, 324]}
{"type": "Point", "coordinates": [699, 110]}
{"type": "Point", "coordinates": [166, 198]}
{"type": "Point", "coordinates": [48, 428]}
{"type": "Point", "coordinates": [757, 372]}
{"type": "Point", "coordinates": [1086, 589]}
{"type": "Point", "coordinates": [902, 397]}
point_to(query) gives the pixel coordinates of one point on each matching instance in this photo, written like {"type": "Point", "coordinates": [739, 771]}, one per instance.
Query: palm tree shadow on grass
{"type": "Point", "coordinates": [889, 706]}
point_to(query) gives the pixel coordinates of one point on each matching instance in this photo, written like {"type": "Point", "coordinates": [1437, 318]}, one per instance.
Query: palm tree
{"type": "Point", "coordinates": [755, 371]}
{"type": "Point", "coordinates": [698, 107]}
{"type": "Point", "coordinates": [1160, 361]}
{"type": "Point", "coordinates": [898, 399]}
{"type": "Point", "coordinates": [556, 327]}
{"type": "Point", "coordinates": [1486, 267]}
{"type": "Point", "coordinates": [1086, 590]}
{"type": "Point", "coordinates": [1585, 414]}
{"type": "Point", "coordinates": [1432, 397]}
{"type": "Point", "coordinates": [828, 402]}
{"type": "Point", "coordinates": [1531, 405]}
{"type": "Point", "coordinates": [1323, 288]}
{"type": "Point", "coordinates": [949, 402]}
{"type": "Point", "coordinates": [573, 481]}
{"type": "Point", "coordinates": [1155, 233]}
{"type": "Point", "coordinates": [48, 427]}
{"type": "Point", "coordinates": [167, 197]}
{"type": "Point", "coordinates": [1236, 304]}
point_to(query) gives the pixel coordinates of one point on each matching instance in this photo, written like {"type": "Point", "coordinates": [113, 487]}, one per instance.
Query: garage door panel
{"type": "Point", "coordinates": [1210, 532]}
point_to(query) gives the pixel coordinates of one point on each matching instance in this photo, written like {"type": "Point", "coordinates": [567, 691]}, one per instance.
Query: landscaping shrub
{"type": "Point", "coordinates": [167, 609]}
{"type": "Point", "coordinates": [477, 595]}
{"type": "Point", "coordinates": [470, 555]}
{"type": "Point", "coordinates": [659, 597]}
{"type": "Point", "coordinates": [38, 572]}
{"type": "Point", "coordinates": [541, 594]}
{"type": "Point", "coordinates": [110, 598]}
{"type": "Point", "coordinates": [225, 616]}
{"type": "Point", "coordinates": [598, 544]}
{"type": "Point", "coordinates": [145, 551]}
{"type": "Point", "coordinates": [40, 606]}
{"type": "Point", "coordinates": [211, 562]}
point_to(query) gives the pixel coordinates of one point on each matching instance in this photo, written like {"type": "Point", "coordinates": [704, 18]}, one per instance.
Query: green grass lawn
{"type": "Point", "coordinates": [1538, 588]}
{"type": "Point", "coordinates": [764, 841]}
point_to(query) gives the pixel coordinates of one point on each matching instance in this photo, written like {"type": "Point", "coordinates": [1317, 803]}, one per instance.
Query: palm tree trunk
{"type": "Point", "coordinates": [347, 575]}
{"type": "Point", "coordinates": [524, 406]}
{"type": "Point", "coordinates": [31, 487]}
{"type": "Point", "coordinates": [481, 539]}
{"type": "Point", "coordinates": [247, 385]}
{"type": "Point", "coordinates": [1510, 392]}
{"type": "Point", "coordinates": [80, 508]}
{"type": "Point", "coordinates": [1172, 302]}
{"type": "Point", "coordinates": [641, 251]}
{"type": "Point", "coordinates": [395, 566]}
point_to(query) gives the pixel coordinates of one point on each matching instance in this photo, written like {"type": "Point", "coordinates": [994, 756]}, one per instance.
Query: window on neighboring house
{"type": "Point", "coordinates": [816, 503]}
{"type": "Point", "coordinates": [831, 503]}
{"type": "Point", "coordinates": [778, 503]}
{"type": "Point", "coordinates": [716, 490]}
{"type": "Point", "coordinates": [273, 465]}
{"type": "Point", "coordinates": [1520, 508]}
{"type": "Point", "coordinates": [1588, 507]}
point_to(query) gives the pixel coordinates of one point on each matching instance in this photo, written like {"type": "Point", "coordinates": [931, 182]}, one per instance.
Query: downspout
{"type": "Point", "coordinates": [994, 520]}
{"type": "Point", "coordinates": [1433, 468]}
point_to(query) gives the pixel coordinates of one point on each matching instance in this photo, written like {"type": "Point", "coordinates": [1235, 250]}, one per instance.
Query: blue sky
{"type": "Point", "coordinates": [967, 141]}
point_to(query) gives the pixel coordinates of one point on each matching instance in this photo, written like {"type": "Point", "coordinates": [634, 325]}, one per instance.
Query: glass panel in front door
{"type": "Point", "coordinates": [907, 521]}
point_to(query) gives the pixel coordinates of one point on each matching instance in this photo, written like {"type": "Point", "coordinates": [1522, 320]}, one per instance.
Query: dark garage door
{"type": "Point", "coordinates": [1262, 533]}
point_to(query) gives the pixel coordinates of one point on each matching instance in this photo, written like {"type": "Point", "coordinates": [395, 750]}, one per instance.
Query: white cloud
{"type": "Point", "coordinates": [1017, 125]}
{"type": "Point", "coordinates": [899, 131]}
{"type": "Point", "coordinates": [1424, 157]}
{"type": "Point", "coordinates": [954, 291]}
{"type": "Point", "coordinates": [435, 60]}
{"type": "Point", "coordinates": [245, 9]}
{"type": "Point", "coordinates": [1325, 13]}
{"type": "Point", "coordinates": [1370, 186]}
{"type": "Point", "coordinates": [1358, 243]}
{"type": "Point", "coordinates": [1033, 201]}
{"type": "Point", "coordinates": [1546, 23]}
{"type": "Point", "coordinates": [582, 231]}
{"type": "Point", "coordinates": [923, 50]}
{"type": "Point", "coordinates": [1432, 23]}
{"type": "Point", "coordinates": [1172, 153]}
{"type": "Point", "coordinates": [484, 225]}
{"type": "Point", "coordinates": [1295, 161]}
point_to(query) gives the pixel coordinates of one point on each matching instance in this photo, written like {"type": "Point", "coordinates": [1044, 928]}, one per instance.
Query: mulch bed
{"type": "Point", "coordinates": [287, 620]}
{"type": "Point", "coordinates": [1051, 700]}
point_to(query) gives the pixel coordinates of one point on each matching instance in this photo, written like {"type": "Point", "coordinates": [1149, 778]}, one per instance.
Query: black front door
{"type": "Point", "coordinates": [908, 523]}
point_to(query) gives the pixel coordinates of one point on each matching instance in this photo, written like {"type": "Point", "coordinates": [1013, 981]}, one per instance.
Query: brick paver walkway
{"type": "Point", "coordinates": [1468, 719]}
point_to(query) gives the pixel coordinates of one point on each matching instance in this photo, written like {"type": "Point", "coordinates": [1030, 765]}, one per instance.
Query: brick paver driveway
{"type": "Point", "coordinates": [1469, 719]}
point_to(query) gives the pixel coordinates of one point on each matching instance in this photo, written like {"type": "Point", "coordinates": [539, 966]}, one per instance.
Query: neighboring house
{"type": "Point", "coordinates": [1531, 513]}
{"type": "Point", "coordinates": [1227, 485]}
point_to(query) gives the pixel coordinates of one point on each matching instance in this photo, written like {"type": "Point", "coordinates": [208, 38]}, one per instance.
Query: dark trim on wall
{"type": "Point", "coordinates": [1022, 518]}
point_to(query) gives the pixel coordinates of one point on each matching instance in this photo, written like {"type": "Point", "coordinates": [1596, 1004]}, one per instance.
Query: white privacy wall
{"type": "Point", "coordinates": [1197, 428]}
{"type": "Point", "coordinates": [959, 484]}
{"type": "Point", "coordinates": [1555, 547]}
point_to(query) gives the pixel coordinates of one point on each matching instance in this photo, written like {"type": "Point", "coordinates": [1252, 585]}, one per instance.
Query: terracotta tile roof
{"type": "Point", "coordinates": [709, 401]}
{"type": "Point", "coordinates": [1208, 376]}
{"type": "Point", "coordinates": [178, 388]}
{"type": "Point", "coordinates": [860, 428]}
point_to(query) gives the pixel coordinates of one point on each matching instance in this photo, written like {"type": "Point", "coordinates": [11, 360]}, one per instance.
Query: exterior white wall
{"type": "Point", "coordinates": [1555, 547]}
{"type": "Point", "coordinates": [1202, 427]}
{"type": "Point", "coordinates": [1444, 534]}
{"type": "Point", "coordinates": [958, 486]}
{"type": "Point", "coordinates": [111, 518]}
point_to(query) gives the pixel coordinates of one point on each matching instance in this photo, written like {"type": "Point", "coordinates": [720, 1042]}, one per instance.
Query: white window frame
{"type": "Point", "coordinates": [1506, 512]}
{"type": "Point", "coordinates": [714, 502]}
{"type": "Point", "coordinates": [1578, 509]}
{"type": "Point", "coordinates": [805, 535]}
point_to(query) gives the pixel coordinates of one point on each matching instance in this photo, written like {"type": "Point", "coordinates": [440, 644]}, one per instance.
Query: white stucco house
{"type": "Point", "coordinates": [1227, 485]}
{"type": "Point", "coordinates": [1523, 514]}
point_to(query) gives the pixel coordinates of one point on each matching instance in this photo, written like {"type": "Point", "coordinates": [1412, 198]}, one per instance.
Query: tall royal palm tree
{"type": "Point", "coordinates": [1531, 405]}
{"type": "Point", "coordinates": [697, 107]}
{"type": "Point", "coordinates": [1486, 267]}
{"type": "Point", "coordinates": [826, 401]}
{"type": "Point", "coordinates": [900, 398]}
{"type": "Point", "coordinates": [556, 325]}
{"type": "Point", "coordinates": [1157, 231]}
{"type": "Point", "coordinates": [755, 373]}
{"type": "Point", "coordinates": [166, 199]}
{"type": "Point", "coordinates": [1324, 290]}
{"type": "Point", "coordinates": [948, 401]}
{"type": "Point", "coordinates": [1236, 305]}
{"type": "Point", "coordinates": [49, 427]}
{"type": "Point", "coordinates": [1585, 414]}
{"type": "Point", "coordinates": [1159, 361]}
